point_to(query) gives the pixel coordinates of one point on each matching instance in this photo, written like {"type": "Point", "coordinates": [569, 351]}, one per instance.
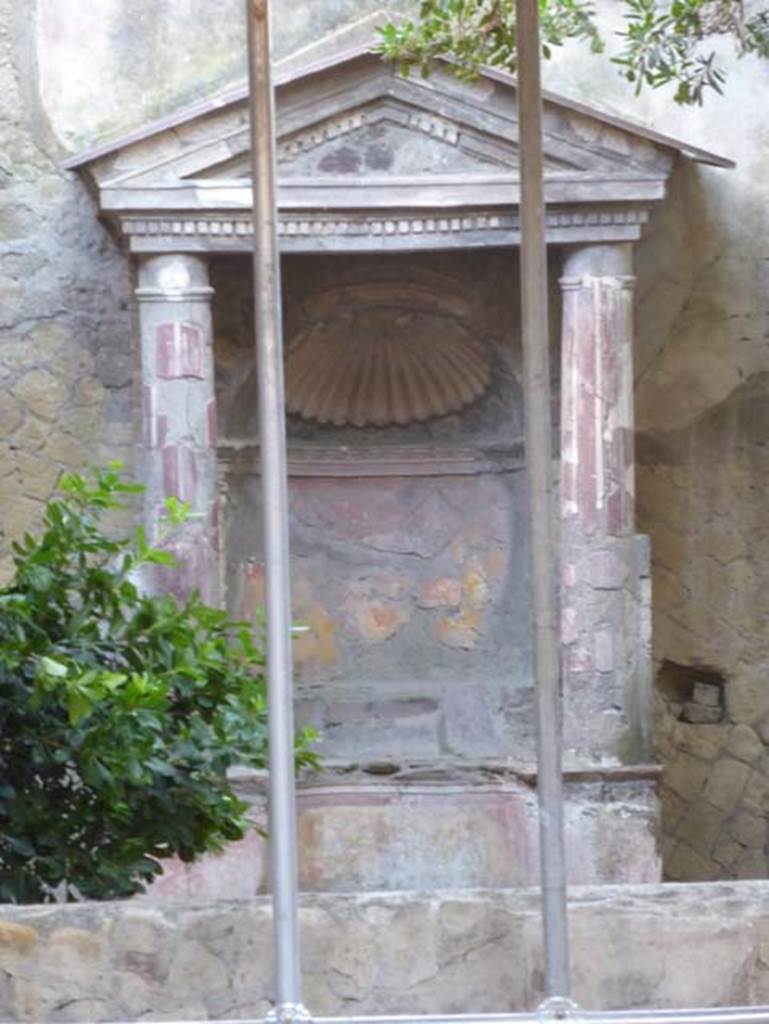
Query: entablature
{"type": "Point", "coordinates": [369, 160]}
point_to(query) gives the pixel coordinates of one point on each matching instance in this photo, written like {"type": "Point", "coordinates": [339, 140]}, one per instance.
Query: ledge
{"type": "Point", "coordinates": [381, 460]}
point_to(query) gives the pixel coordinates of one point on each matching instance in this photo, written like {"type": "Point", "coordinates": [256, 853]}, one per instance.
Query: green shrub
{"type": "Point", "coordinates": [120, 712]}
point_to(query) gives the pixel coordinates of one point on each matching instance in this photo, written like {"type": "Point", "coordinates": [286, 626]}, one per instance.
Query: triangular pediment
{"type": "Point", "coordinates": [358, 142]}
{"type": "Point", "coordinates": [388, 137]}
{"type": "Point", "coordinates": [360, 117]}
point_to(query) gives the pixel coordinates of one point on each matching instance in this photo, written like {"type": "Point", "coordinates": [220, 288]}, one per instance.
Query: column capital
{"type": "Point", "coordinates": [174, 277]}
{"type": "Point", "coordinates": [604, 260]}
{"type": "Point", "coordinates": [623, 282]}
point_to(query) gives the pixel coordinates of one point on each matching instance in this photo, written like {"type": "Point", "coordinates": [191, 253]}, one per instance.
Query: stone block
{"type": "Point", "coordinates": [11, 414]}
{"type": "Point", "coordinates": [745, 745]}
{"type": "Point", "coordinates": [671, 946]}
{"type": "Point", "coordinates": [752, 864]}
{"type": "Point", "coordinates": [727, 852]}
{"type": "Point", "coordinates": [686, 863]}
{"type": "Point", "coordinates": [686, 776]}
{"type": "Point", "coordinates": [747, 696]}
{"type": "Point", "coordinates": [19, 516]}
{"type": "Point", "coordinates": [756, 795]}
{"type": "Point", "coordinates": [726, 783]}
{"type": "Point", "coordinates": [195, 971]}
{"type": "Point", "coordinates": [142, 943]}
{"type": "Point", "coordinates": [706, 694]}
{"type": "Point", "coordinates": [673, 808]}
{"type": "Point", "coordinates": [699, 828]}
{"type": "Point", "coordinates": [701, 714]}
{"type": "Point", "coordinates": [17, 937]}
{"type": "Point", "coordinates": [37, 476]}
{"type": "Point", "coordinates": [71, 452]}
{"type": "Point", "coordinates": [703, 741]}
{"type": "Point", "coordinates": [749, 830]}
{"type": "Point", "coordinates": [41, 393]}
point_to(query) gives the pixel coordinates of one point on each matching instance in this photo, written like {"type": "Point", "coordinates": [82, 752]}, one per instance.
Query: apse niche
{"type": "Point", "coordinates": [392, 350]}
{"type": "Point", "coordinates": [407, 505]}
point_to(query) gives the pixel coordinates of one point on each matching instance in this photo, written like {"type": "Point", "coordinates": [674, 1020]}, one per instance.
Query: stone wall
{"type": "Point", "coordinates": [65, 345]}
{"type": "Point", "coordinates": [702, 416]}
{"type": "Point", "coordinates": [464, 952]}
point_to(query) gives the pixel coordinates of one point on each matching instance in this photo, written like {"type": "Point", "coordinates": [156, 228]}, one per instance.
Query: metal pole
{"type": "Point", "coordinates": [536, 372]}
{"type": "Point", "coordinates": [272, 426]}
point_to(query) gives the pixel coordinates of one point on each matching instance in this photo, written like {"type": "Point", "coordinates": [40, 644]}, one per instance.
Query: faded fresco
{"type": "Point", "coordinates": [441, 565]}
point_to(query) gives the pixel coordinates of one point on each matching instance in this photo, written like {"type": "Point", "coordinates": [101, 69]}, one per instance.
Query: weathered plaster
{"type": "Point", "coordinates": [411, 580]}
{"type": "Point", "coordinates": [702, 362]}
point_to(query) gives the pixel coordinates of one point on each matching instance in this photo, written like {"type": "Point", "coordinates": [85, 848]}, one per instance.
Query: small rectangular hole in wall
{"type": "Point", "coordinates": [694, 693]}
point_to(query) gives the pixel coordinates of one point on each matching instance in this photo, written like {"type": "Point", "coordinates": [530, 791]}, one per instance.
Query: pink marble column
{"type": "Point", "coordinates": [179, 420]}
{"type": "Point", "coordinates": [597, 472]}
{"type": "Point", "coordinates": [603, 565]}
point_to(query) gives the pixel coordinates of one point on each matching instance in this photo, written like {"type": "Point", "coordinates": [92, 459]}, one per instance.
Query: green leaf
{"type": "Point", "coordinates": [126, 709]}
{"type": "Point", "coordinates": [78, 705]}
{"type": "Point", "coordinates": [53, 668]}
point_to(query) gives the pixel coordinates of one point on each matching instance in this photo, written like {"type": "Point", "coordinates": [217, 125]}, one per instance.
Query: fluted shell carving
{"type": "Point", "coordinates": [384, 354]}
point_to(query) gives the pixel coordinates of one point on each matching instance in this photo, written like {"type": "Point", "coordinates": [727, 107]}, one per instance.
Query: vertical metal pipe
{"type": "Point", "coordinates": [536, 370]}
{"type": "Point", "coordinates": [272, 427]}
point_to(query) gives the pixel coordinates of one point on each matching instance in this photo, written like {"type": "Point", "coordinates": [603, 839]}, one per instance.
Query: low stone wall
{"type": "Point", "coordinates": [663, 946]}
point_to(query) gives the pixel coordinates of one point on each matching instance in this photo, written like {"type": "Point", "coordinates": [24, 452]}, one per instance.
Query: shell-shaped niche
{"type": "Point", "coordinates": [380, 354]}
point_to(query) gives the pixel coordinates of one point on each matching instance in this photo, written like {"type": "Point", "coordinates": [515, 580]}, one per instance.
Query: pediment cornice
{"type": "Point", "coordinates": [369, 159]}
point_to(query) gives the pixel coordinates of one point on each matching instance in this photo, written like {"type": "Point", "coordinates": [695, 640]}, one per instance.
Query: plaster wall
{"type": "Point", "coordinates": [74, 72]}
{"type": "Point", "coordinates": [410, 572]}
